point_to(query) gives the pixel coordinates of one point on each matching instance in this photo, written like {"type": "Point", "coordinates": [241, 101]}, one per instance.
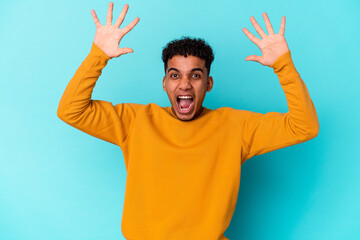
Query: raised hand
{"type": "Point", "coordinates": [107, 37]}
{"type": "Point", "coordinates": [272, 46]}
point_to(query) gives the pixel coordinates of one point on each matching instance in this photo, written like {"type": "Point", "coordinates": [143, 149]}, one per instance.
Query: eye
{"type": "Point", "coordinates": [195, 75]}
{"type": "Point", "coordinates": [174, 75]}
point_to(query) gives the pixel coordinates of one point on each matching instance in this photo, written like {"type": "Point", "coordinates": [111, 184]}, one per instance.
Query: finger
{"type": "Point", "coordinates": [251, 37]}
{"type": "Point", "coordinates": [121, 16]}
{"type": "Point", "coordinates": [131, 25]}
{"type": "Point", "coordinates": [268, 24]}
{"type": "Point", "coordinates": [257, 27]}
{"type": "Point", "coordinates": [122, 51]}
{"type": "Point", "coordinates": [109, 14]}
{"type": "Point", "coordinates": [96, 20]}
{"type": "Point", "coordinates": [253, 58]}
{"type": "Point", "coordinates": [282, 26]}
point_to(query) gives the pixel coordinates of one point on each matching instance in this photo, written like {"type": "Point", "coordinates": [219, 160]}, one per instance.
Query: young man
{"type": "Point", "coordinates": [184, 162]}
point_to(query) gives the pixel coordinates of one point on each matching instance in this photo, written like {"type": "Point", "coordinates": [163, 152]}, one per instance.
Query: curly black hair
{"type": "Point", "coordinates": [188, 46]}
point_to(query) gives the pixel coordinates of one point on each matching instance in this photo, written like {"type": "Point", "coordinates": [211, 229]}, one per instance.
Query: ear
{"type": "Point", "coordinates": [164, 84]}
{"type": "Point", "coordinates": [210, 84]}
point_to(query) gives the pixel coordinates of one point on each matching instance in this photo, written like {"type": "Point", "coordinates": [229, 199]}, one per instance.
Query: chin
{"type": "Point", "coordinates": [185, 118]}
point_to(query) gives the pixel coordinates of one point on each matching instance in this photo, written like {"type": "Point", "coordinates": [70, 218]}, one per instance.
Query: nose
{"type": "Point", "coordinates": [184, 83]}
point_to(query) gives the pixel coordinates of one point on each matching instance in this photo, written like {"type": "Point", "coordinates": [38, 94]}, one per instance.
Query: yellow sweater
{"type": "Point", "coordinates": [183, 177]}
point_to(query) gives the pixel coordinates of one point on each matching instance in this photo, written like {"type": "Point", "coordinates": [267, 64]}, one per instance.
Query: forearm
{"type": "Point", "coordinates": [77, 96]}
{"type": "Point", "coordinates": [274, 130]}
{"type": "Point", "coordinates": [301, 118]}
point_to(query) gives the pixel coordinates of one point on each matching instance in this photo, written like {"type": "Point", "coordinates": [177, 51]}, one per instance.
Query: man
{"type": "Point", "coordinates": [184, 162]}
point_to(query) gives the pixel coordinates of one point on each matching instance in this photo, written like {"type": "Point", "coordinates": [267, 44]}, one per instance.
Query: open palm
{"type": "Point", "coordinates": [108, 37]}
{"type": "Point", "coordinates": [272, 46]}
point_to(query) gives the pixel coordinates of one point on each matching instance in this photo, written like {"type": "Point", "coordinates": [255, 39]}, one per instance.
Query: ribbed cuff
{"type": "Point", "coordinates": [284, 68]}
{"type": "Point", "coordinates": [96, 51]}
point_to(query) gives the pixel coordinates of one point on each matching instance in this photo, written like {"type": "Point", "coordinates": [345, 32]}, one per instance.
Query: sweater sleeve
{"type": "Point", "coordinates": [263, 133]}
{"type": "Point", "coordinates": [98, 118]}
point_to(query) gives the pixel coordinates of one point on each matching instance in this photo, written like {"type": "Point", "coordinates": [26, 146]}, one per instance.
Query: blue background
{"type": "Point", "coordinates": [57, 182]}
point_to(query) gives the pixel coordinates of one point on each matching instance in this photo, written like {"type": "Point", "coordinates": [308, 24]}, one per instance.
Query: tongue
{"type": "Point", "coordinates": [185, 103]}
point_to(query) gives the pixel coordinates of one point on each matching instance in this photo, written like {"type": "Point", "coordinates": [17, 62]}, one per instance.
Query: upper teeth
{"type": "Point", "coordinates": [184, 97]}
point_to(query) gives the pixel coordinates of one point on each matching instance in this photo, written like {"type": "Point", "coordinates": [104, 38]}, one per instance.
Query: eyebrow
{"type": "Point", "coordinates": [192, 70]}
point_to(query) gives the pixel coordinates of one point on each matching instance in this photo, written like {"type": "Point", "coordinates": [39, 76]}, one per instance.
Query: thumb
{"type": "Point", "coordinates": [253, 58]}
{"type": "Point", "coordinates": [122, 51]}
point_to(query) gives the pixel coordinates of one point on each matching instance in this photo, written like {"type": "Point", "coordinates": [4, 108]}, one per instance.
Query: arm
{"type": "Point", "coordinates": [98, 118]}
{"type": "Point", "coordinates": [267, 132]}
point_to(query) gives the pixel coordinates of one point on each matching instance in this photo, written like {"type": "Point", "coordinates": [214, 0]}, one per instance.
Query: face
{"type": "Point", "coordinates": [186, 83]}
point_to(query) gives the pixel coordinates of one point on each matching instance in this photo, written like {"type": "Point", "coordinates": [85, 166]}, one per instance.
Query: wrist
{"type": "Point", "coordinates": [96, 50]}
{"type": "Point", "coordinates": [284, 67]}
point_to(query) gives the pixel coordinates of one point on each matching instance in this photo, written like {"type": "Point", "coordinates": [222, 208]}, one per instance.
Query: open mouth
{"type": "Point", "coordinates": [184, 103]}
